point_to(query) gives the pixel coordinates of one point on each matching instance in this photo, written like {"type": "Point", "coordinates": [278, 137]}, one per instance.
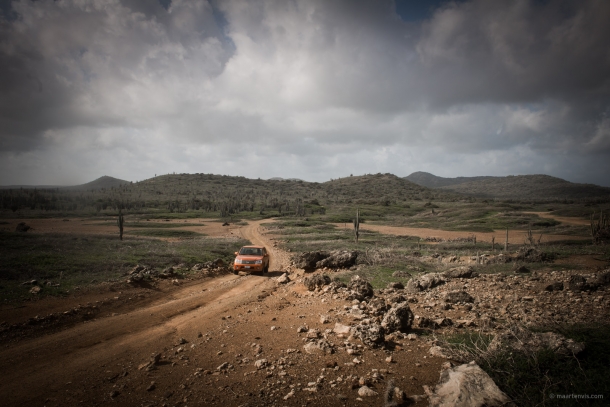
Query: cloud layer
{"type": "Point", "coordinates": [306, 89]}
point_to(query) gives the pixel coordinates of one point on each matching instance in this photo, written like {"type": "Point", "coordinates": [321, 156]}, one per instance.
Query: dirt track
{"type": "Point", "coordinates": [228, 319]}
{"type": "Point", "coordinates": [34, 370]}
{"type": "Point", "coordinates": [514, 236]}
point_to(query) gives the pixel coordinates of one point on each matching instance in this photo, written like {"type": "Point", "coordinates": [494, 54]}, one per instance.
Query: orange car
{"type": "Point", "coordinates": [251, 258]}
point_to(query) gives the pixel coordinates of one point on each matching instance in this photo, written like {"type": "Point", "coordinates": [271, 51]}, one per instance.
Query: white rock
{"type": "Point", "coordinates": [261, 363]}
{"type": "Point", "coordinates": [283, 279]}
{"type": "Point", "coordinates": [366, 391]}
{"type": "Point", "coordinates": [466, 386]}
{"type": "Point", "coordinates": [341, 329]}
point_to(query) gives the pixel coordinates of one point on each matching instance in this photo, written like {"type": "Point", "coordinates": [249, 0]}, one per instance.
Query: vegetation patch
{"type": "Point", "coordinates": [535, 379]}
{"type": "Point", "coordinates": [68, 261]}
{"type": "Point", "coordinates": [164, 233]}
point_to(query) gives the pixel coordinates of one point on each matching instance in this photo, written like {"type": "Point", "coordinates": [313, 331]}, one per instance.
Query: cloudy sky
{"type": "Point", "coordinates": [302, 88]}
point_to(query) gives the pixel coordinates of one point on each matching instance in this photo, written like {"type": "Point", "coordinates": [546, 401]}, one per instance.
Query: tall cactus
{"type": "Point", "coordinates": [120, 221]}
{"type": "Point", "coordinates": [357, 225]}
{"type": "Point", "coordinates": [600, 229]}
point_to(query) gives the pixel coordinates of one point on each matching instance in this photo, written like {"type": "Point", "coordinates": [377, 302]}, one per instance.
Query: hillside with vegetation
{"type": "Point", "coordinates": [220, 195]}
{"type": "Point", "coordinates": [513, 187]}
{"type": "Point", "coordinates": [103, 182]}
{"type": "Point", "coordinates": [426, 179]}
{"type": "Point", "coordinates": [537, 187]}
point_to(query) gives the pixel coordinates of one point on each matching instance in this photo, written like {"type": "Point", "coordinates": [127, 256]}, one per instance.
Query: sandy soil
{"type": "Point", "coordinates": [563, 219]}
{"type": "Point", "coordinates": [227, 319]}
{"type": "Point", "coordinates": [210, 228]}
{"type": "Point", "coordinates": [514, 236]}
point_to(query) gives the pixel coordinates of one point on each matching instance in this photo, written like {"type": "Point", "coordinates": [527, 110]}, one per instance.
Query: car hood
{"type": "Point", "coordinates": [249, 257]}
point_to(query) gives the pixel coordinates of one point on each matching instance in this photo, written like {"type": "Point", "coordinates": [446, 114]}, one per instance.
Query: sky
{"type": "Point", "coordinates": [303, 88]}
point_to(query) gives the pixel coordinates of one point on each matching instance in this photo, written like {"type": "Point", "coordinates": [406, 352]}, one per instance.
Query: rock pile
{"type": "Point", "coordinates": [337, 259]}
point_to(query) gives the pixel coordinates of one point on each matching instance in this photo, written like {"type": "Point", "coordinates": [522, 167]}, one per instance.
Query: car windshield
{"type": "Point", "coordinates": [251, 251]}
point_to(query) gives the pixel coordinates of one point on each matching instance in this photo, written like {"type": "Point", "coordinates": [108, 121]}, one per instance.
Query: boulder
{"type": "Point", "coordinates": [315, 281]}
{"type": "Point", "coordinates": [466, 386]}
{"type": "Point", "coordinates": [425, 282]}
{"type": "Point", "coordinates": [578, 283]}
{"type": "Point", "coordinates": [603, 279]}
{"type": "Point", "coordinates": [341, 329]}
{"type": "Point", "coordinates": [359, 289]}
{"type": "Point", "coordinates": [554, 286]}
{"type": "Point", "coordinates": [338, 259]}
{"type": "Point", "coordinates": [460, 272]}
{"type": "Point", "coordinates": [522, 270]}
{"type": "Point", "coordinates": [423, 322]}
{"type": "Point", "coordinates": [366, 391]}
{"type": "Point", "coordinates": [401, 274]}
{"type": "Point", "coordinates": [371, 335]}
{"type": "Point", "coordinates": [398, 318]}
{"type": "Point", "coordinates": [377, 307]}
{"type": "Point", "coordinates": [523, 340]}
{"type": "Point", "coordinates": [453, 297]}
{"type": "Point", "coordinates": [396, 285]}
{"type": "Point", "coordinates": [319, 346]}
{"type": "Point", "coordinates": [308, 260]}
{"type": "Point", "coordinates": [283, 279]}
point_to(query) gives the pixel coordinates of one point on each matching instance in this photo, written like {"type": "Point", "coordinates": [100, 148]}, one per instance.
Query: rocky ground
{"type": "Point", "coordinates": [286, 339]}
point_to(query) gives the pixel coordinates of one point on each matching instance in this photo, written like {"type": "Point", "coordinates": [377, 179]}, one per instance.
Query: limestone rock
{"type": "Point", "coordinates": [453, 297]}
{"type": "Point", "coordinates": [366, 391]}
{"type": "Point", "coordinates": [466, 386]}
{"type": "Point", "coordinates": [360, 289]}
{"type": "Point", "coordinates": [554, 286]}
{"type": "Point", "coordinates": [319, 346]}
{"type": "Point", "coordinates": [338, 259]}
{"type": "Point", "coordinates": [460, 272]}
{"type": "Point", "coordinates": [425, 282]}
{"type": "Point", "coordinates": [341, 329]}
{"type": "Point", "coordinates": [370, 335]}
{"type": "Point", "coordinates": [283, 279]}
{"type": "Point", "coordinates": [315, 281]}
{"type": "Point", "coordinates": [398, 318]}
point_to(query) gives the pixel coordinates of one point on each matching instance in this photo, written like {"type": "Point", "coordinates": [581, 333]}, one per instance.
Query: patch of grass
{"type": "Point", "coordinates": [533, 379]}
{"type": "Point", "coordinates": [146, 225]}
{"type": "Point", "coordinates": [85, 259]}
{"type": "Point", "coordinates": [163, 233]}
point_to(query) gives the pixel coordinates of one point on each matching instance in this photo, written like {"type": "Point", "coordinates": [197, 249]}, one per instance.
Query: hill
{"type": "Point", "coordinates": [223, 194]}
{"type": "Point", "coordinates": [426, 179]}
{"type": "Point", "coordinates": [535, 187]}
{"type": "Point", "coordinates": [100, 183]}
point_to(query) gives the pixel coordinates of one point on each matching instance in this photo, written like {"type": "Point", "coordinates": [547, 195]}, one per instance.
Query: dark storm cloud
{"type": "Point", "coordinates": [311, 87]}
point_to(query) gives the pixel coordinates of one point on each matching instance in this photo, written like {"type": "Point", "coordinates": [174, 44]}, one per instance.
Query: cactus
{"type": "Point", "coordinates": [120, 221]}
{"type": "Point", "coordinates": [357, 225]}
{"type": "Point", "coordinates": [600, 229]}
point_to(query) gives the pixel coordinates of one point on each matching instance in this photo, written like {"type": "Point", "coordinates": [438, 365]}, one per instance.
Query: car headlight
{"type": "Point", "coordinates": [238, 261]}
{"type": "Point", "coordinates": [258, 262]}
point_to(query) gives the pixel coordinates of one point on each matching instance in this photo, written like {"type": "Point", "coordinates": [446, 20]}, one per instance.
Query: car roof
{"type": "Point", "coordinates": [255, 247]}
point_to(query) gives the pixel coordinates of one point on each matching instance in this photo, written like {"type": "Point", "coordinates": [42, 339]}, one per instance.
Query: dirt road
{"type": "Point", "coordinates": [32, 371]}
{"type": "Point", "coordinates": [514, 236]}
{"type": "Point", "coordinates": [209, 334]}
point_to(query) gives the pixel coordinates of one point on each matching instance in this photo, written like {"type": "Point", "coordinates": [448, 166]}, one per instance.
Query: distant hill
{"type": "Point", "coordinates": [100, 183]}
{"type": "Point", "coordinates": [284, 179]}
{"type": "Point", "coordinates": [536, 187]}
{"type": "Point", "coordinates": [425, 179]}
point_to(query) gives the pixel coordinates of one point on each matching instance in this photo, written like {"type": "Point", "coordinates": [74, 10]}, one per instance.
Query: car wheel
{"type": "Point", "coordinates": [266, 269]}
